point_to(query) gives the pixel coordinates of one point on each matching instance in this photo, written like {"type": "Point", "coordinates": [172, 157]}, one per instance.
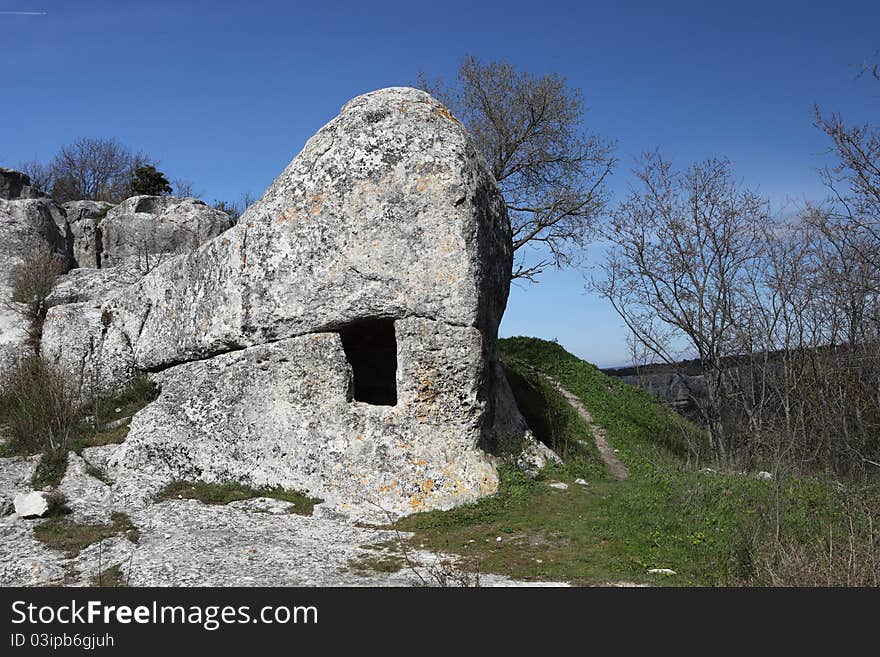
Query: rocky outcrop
{"type": "Point", "coordinates": [97, 285]}
{"type": "Point", "coordinates": [82, 220]}
{"type": "Point", "coordinates": [142, 230]}
{"type": "Point", "coordinates": [149, 229]}
{"type": "Point", "coordinates": [26, 225]}
{"type": "Point", "coordinates": [340, 338]}
{"type": "Point", "coordinates": [15, 184]}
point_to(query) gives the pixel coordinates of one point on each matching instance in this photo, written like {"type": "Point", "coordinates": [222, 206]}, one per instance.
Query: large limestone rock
{"type": "Point", "coordinates": [99, 285]}
{"type": "Point", "coordinates": [13, 184]}
{"type": "Point", "coordinates": [341, 338]}
{"type": "Point", "coordinates": [82, 221]}
{"type": "Point", "coordinates": [26, 225]}
{"type": "Point", "coordinates": [148, 229]}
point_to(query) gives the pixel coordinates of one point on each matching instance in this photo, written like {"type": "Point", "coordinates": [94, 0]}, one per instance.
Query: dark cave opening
{"type": "Point", "coordinates": [371, 350]}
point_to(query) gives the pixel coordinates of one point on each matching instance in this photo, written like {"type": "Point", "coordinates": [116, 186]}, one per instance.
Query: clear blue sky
{"type": "Point", "coordinates": [226, 93]}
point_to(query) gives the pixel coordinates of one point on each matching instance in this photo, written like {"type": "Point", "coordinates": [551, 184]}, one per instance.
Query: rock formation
{"type": "Point", "coordinates": [340, 339]}
{"type": "Point", "coordinates": [142, 230]}
{"type": "Point", "coordinates": [27, 224]}
{"type": "Point", "coordinates": [15, 185]}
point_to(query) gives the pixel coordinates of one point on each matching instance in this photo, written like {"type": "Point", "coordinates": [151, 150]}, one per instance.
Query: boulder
{"type": "Point", "coordinates": [340, 339]}
{"type": "Point", "coordinates": [148, 229]}
{"type": "Point", "coordinates": [26, 225]}
{"type": "Point", "coordinates": [15, 184]}
{"type": "Point", "coordinates": [31, 505]}
{"type": "Point", "coordinates": [82, 221]}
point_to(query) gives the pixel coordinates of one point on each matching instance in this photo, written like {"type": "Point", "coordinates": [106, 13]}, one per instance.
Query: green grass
{"type": "Point", "coordinates": [50, 469]}
{"type": "Point", "coordinates": [709, 528]}
{"type": "Point", "coordinates": [234, 492]}
{"type": "Point", "coordinates": [110, 578]}
{"type": "Point", "coordinates": [380, 558]}
{"type": "Point", "coordinates": [65, 535]}
{"type": "Point", "coordinates": [645, 431]}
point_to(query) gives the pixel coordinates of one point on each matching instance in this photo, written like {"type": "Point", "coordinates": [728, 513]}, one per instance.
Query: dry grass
{"type": "Point", "coordinates": [31, 282]}
{"type": "Point", "coordinates": [40, 410]}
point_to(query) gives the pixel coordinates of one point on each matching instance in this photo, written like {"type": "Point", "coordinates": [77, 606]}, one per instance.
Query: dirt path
{"type": "Point", "coordinates": [618, 469]}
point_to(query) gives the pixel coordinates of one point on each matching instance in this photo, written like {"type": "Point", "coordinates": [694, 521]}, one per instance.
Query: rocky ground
{"type": "Point", "coordinates": [184, 542]}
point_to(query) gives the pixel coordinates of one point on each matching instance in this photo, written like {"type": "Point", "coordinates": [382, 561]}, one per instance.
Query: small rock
{"type": "Point", "coordinates": [661, 571]}
{"type": "Point", "coordinates": [763, 475]}
{"type": "Point", "coordinates": [708, 471]}
{"type": "Point", "coordinates": [559, 485]}
{"type": "Point", "coordinates": [118, 410]}
{"type": "Point", "coordinates": [31, 505]}
{"type": "Point", "coordinates": [582, 482]}
{"type": "Point", "coordinates": [498, 539]}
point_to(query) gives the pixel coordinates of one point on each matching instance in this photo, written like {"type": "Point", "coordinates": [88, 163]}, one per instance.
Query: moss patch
{"type": "Point", "coordinates": [234, 492]}
{"type": "Point", "coordinates": [72, 537]}
{"type": "Point", "coordinates": [111, 577]}
{"type": "Point", "coordinates": [50, 469]}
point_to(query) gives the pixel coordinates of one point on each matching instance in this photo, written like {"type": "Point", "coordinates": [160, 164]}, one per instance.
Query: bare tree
{"type": "Point", "coordinates": [184, 188]}
{"type": "Point", "coordinates": [551, 171]}
{"type": "Point", "coordinates": [680, 246]}
{"type": "Point", "coordinates": [40, 174]}
{"type": "Point", "coordinates": [94, 169]}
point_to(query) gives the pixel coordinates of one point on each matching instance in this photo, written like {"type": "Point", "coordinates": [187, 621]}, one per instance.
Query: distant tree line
{"type": "Point", "coordinates": [783, 315]}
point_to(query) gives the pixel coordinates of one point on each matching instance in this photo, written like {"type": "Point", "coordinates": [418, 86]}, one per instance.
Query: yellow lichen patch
{"type": "Point", "coordinates": [359, 437]}
{"type": "Point", "coordinates": [316, 202]}
{"type": "Point", "coordinates": [427, 486]}
{"type": "Point", "coordinates": [444, 113]}
{"type": "Point", "coordinates": [416, 502]}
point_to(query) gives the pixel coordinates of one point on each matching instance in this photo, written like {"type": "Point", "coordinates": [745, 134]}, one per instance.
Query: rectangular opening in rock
{"type": "Point", "coordinates": [371, 350]}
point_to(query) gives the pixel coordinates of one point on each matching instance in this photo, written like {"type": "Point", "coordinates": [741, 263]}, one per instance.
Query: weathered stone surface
{"type": "Point", "coordinates": [147, 230]}
{"type": "Point", "coordinates": [285, 412]}
{"type": "Point", "coordinates": [31, 505]}
{"type": "Point", "coordinates": [89, 499]}
{"type": "Point", "coordinates": [73, 336]}
{"type": "Point", "coordinates": [99, 285]}
{"type": "Point", "coordinates": [82, 226]}
{"type": "Point", "coordinates": [388, 221]}
{"type": "Point", "coordinates": [26, 225]}
{"type": "Point", "coordinates": [24, 561]}
{"type": "Point", "coordinates": [184, 542]}
{"type": "Point", "coordinates": [389, 211]}
{"type": "Point", "coordinates": [15, 184]}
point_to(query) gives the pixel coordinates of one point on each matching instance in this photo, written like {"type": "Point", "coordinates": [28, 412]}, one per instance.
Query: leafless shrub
{"type": "Point", "coordinates": [444, 571]}
{"type": "Point", "coordinates": [845, 555]}
{"type": "Point", "coordinates": [31, 281]}
{"type": "Point", "coordinates": [39, 408]}
{"type": "Point", "coordinates": [551, 173]}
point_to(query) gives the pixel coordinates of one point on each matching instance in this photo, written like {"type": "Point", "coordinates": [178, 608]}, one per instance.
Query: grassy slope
{"type": "Point", "coordinates": [666, 515]}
